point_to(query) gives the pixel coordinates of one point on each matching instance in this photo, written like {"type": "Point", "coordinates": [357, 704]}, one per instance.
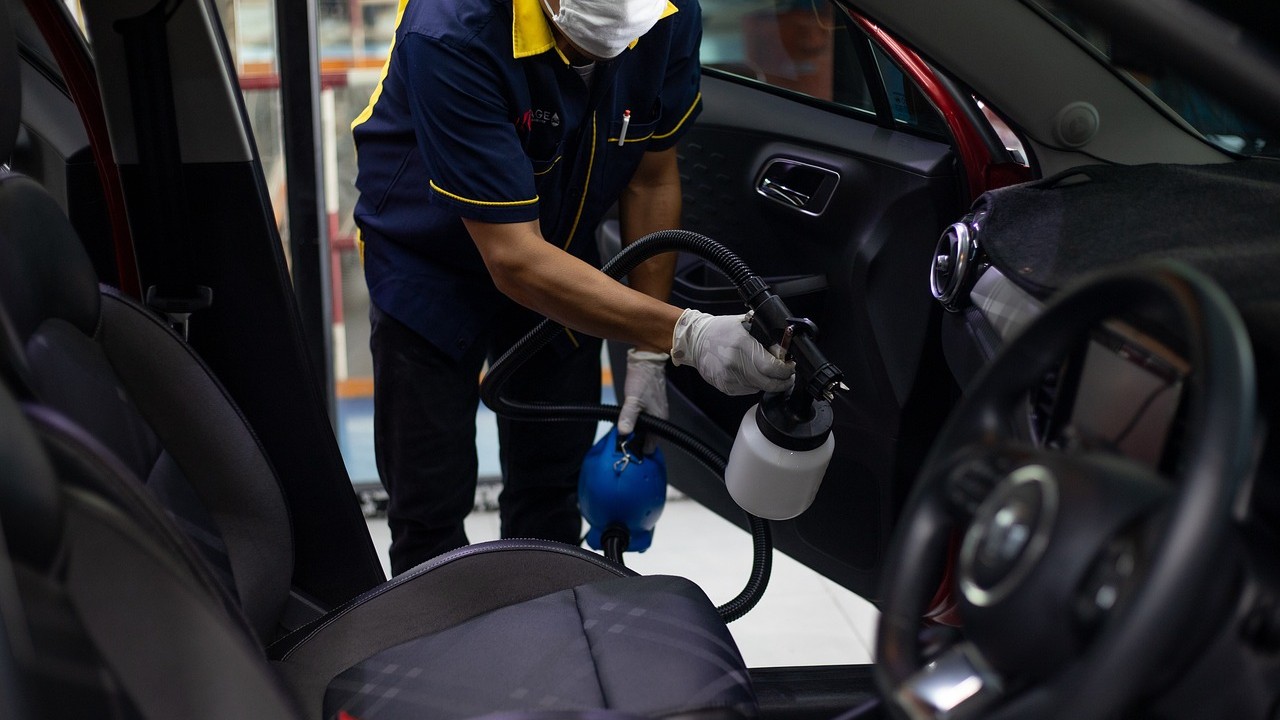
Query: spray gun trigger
{"type": "Point", "coordinates": [830, 392]}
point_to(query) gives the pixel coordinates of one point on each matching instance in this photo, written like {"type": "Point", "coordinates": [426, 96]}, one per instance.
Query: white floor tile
{"type": "Point", "coordinates": [803, 619]}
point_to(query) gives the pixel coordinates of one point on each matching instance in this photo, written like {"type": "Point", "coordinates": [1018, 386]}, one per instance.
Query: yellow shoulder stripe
{"type": "Point", "coordinates": [680, 124]}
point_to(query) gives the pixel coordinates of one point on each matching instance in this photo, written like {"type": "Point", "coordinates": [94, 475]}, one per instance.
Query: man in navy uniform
{"type": "Point", "coordinates": [499, 135]}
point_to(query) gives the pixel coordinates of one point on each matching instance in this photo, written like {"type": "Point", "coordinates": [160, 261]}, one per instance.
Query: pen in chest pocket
{"type": "Point", "coordinates": [626, 120]}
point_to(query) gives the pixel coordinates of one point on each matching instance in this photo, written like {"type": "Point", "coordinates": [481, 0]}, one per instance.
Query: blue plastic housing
{"type": "Point", "coordinates": [620, 487]}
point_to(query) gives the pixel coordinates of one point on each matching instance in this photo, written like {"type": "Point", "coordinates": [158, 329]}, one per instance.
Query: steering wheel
{"type": "Point", "coordinates": [1080, 572]}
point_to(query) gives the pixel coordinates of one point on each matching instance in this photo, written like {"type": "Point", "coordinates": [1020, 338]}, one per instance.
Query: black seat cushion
{"type": "Point", "coordinates": [638, 643]}
{"type": "Point", "coordinates": [576, 632]}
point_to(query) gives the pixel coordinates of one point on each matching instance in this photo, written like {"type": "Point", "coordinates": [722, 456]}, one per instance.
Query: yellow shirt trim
{"type": "Point", "coordinates": [687, 113]}
{"type": "Point", "coordinates": [586, 184]}
{"type": "Point", "coordinates": [530, 29]}
{"type": "Point", "coordinates": [549, 167]}
{"type": "Point", "coordinates": [386, 67]}
{"type": "Point", "coordinates": [486, 203]}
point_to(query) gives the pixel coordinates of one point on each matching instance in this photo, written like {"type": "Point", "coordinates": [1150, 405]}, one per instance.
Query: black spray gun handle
{"type": "Point", "coordinates": [772, 323]}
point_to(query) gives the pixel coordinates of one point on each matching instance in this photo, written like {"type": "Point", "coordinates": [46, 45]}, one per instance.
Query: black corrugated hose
{"type": "Point", "coordinates": [621, 264]}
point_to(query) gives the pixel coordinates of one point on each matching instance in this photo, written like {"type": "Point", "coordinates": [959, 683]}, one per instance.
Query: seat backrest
{"type": "Point", "coordinates": [118, 371]}
{"type": "Point", "coordinates": [116, 620]}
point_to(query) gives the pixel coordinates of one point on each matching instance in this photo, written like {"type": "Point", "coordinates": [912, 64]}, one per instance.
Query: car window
{"type": "Point", "coordinates": [1219, 122]}
{"type": "Point", "coordinates": [809, 47]}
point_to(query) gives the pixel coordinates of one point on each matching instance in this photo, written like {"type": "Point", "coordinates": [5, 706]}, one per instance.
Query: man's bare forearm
{"type": "Point", "coordinates": [652, 202]}
{"type": "Point", "coordinates": [550, 281]}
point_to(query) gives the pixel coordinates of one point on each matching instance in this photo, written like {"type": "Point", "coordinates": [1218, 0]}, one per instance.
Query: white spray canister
{"type": "Point", "coordinates": [778, 461]}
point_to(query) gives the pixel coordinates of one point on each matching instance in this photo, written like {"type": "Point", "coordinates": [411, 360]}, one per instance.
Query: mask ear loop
{"type": "Point", "coordinates": [555, 16]}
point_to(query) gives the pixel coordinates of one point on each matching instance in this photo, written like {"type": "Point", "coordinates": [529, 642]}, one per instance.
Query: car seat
{"type": "Point", "coordinates": [507, 626]}
{"type": "Point", "coordinates": [111, 617]}
{"type": "Point", "coordinates": [107, 616]}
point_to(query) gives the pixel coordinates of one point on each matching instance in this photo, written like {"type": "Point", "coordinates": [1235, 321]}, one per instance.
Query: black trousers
{"type": "Point", "coordinates": [424, 409]}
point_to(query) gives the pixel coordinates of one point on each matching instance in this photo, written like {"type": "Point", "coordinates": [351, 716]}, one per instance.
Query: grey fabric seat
{"type": "Point", "coordinates": [120, 620]}
{"type": "Point", "coordinates": [186, 519]}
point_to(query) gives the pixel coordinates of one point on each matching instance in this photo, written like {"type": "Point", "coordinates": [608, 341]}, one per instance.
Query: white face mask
{"type": "Point", "coordinates": [604, 28]}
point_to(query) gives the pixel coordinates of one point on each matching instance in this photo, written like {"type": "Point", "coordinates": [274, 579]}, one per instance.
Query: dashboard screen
{"type": "Point", "coordinates": [1126, 399]}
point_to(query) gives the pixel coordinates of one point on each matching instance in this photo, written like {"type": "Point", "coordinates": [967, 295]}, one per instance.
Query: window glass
{"type": "Point", "coordinates": [353, 37]}
{"type": "Point", "coordinates": [909, 106]}
{"type": "Point", "coordinates": [799, 45]}
{"type": "Point", "coordinates": [806, 46]}
{"type": "Point", "coordinates": [251, 33]}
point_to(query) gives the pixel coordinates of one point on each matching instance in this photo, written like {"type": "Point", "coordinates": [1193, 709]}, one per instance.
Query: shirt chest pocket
{"type": "Point", "coordinates": [544, 149]}
{"type": "Point", "coordinates": [632, 129]}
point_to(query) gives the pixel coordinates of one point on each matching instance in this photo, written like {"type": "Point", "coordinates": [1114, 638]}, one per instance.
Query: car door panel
{"type": "Point", "coordinates": [855, 262]}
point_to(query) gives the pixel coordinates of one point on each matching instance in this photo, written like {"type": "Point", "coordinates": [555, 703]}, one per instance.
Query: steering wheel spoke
{"type": "Point", "coordinates": [973, 472]}
{"type": "Point", "coordinates": [1108, 581]}
{"type": "Point", "coordinates": [957, 684]}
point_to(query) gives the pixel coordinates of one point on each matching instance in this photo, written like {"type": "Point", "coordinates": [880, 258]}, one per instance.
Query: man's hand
{"type": "Point", "coordinates": [646, 390]}
{"type": "Point", "coordinates": [726, 355]}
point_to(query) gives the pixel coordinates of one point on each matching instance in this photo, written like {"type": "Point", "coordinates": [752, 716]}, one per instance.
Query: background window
{"type": "Point", "coordinates": [812, 48]}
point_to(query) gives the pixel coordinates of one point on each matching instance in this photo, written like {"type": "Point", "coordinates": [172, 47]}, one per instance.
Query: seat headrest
{"type": "Point", "coordinates": [45, 272]}
{"type": "Point", "coordinates": [30, 509]}
{"type": "Point", "coordinates": [10, 87]}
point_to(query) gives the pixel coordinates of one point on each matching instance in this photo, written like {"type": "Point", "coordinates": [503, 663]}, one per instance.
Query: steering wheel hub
{"type": "Point", "coordinates": [1008, 534]}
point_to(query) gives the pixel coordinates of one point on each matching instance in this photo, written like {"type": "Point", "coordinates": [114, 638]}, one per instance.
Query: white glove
{"type": "Point", "coordinates": [726, 355]}
{"type": "Point", "coordinates": [646, 390]}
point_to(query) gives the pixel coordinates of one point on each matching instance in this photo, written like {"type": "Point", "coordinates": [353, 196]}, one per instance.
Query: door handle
{"type": "Point", "coordinates": [778, 191]}
{"type": "Point", "coordinates": [797, 185]}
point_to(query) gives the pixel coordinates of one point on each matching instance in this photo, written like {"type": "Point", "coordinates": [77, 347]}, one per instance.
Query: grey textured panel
{"type": "Point", "coordinates": [1222, 219]}
{"type": "Point", "coordinates": [437, 595]}
{"type": "Point", "coordinates": [650, 646]}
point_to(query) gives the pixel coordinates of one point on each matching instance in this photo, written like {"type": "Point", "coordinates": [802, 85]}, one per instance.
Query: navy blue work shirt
{"type": "Point", "coordinates": [479, 115]}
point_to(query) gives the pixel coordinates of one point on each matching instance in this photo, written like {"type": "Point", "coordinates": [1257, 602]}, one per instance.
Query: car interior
{"type": "Point", "coordinates": [200, 560]}
{"type": "Point", "coordinates": [1055, 470]}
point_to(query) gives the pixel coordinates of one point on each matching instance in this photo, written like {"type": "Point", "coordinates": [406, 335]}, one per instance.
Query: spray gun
{"type": "Point", "coordinates": [784, 442]}
{"type": "Point", "coordinates": [766, 471]}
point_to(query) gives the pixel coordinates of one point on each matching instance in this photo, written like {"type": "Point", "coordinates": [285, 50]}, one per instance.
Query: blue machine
{"type": "Point", "coordinates": [621, 492]}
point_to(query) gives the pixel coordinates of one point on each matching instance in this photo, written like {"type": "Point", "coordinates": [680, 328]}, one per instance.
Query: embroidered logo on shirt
{"type": "Point", "coordinates": [524, 123]}
{"type": "Point", "coordinates": [546, 117]}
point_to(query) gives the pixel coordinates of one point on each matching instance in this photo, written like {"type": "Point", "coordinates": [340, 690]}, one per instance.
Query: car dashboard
{"type": "Point", "coordinates": [1119, 392]}
{"type": "Point", "coordinates": [1120, 384]}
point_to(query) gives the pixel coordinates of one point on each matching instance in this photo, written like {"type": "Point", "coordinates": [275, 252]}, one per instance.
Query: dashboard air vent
{"type": "Point", "coordinates": [953, 264]}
